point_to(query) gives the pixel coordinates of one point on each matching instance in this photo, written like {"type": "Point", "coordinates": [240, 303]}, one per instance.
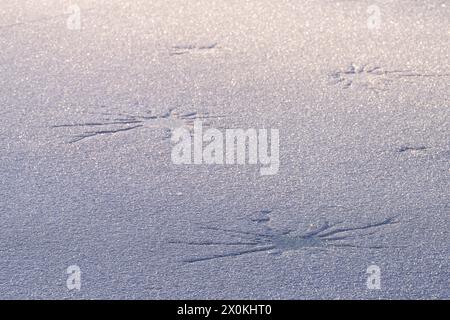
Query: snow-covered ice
{"type": "Point", "coordinates": [359, 91]}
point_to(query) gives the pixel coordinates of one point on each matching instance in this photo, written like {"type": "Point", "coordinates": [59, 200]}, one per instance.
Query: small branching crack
{"type": "Point", "coordinates": [190, 48]}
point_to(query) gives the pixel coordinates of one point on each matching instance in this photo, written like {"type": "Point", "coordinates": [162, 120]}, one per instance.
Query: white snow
{"type": "Point", "coordinates": [364, 122]}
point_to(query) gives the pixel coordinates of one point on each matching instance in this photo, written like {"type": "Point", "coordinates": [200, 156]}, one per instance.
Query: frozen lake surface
{"type": "Point", "coordinates": [359, 91]}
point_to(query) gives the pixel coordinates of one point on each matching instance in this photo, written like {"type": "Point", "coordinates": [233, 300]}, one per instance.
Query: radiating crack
{"type": "Point", "coordinates": [374, 78]}
{"type": "Point", "coordinates": [321, 238]}
{"type": "Point", "coordinates": [112, 123]}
